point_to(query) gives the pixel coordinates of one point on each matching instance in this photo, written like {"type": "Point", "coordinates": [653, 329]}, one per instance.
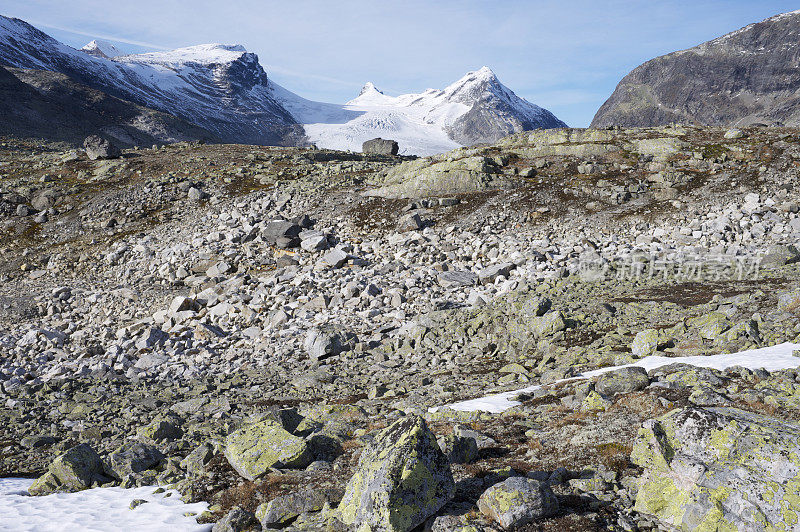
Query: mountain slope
{"type": "Point", "coordinates": [475, 109]}
{"type": "Point", "coordinates": [39, 103]}
{"type": "Point", "coordinates": [220, 88]}
{"type": "Point", "coordinates": [745, 77]}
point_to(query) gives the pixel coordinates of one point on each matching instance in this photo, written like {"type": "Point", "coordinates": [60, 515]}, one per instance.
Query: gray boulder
{"type": "Point", "coordinates": [335, 258]}
{"type": "Point", "coordinates": [321, 344]}
{"type": "Point", "coordinates": [623, 380]}
{"type": "Point", "coordinates": [459, 449]}
{"type": "Point", "coordinates": [402, 479]}
{"type": "Point", "coordinates": [457, 278]}
{"type": "Point", "coordinates": [410, 222]}
{"type": "Point", "coordinates": [518, 501]}
{"type": "Point", "coordinates": [278, 230]}
{"type": "Point", "coordinates": [237, 520]}
{"type": "Point", "coordinates": [280, 510]}
{"type": "Point", "coordinates": [99, 148]}
{"type": "Point", "coordinates": [380, 146]}
{"type": "Point", "coordinates": [778, 256]}
{"type": "Point", "coordinates": [490, 273]}
{"type": "Point", "coordinates": [133, 457]}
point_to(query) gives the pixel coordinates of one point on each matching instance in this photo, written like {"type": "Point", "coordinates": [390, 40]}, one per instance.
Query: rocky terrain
{"type": "Point", "coordinates": [280, 331]}
{"type": "Point", "coordinates": [745, 77]}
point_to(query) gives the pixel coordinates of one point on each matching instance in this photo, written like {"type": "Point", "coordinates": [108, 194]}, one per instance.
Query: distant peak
{"type": "Point", "coordinates": [369, 87]}
{"type": "Point", "coordinates": [101, 48]}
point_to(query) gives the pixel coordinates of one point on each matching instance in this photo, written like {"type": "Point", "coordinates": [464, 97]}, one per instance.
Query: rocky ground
{"type": "Point", "coordinates": [269, 329]}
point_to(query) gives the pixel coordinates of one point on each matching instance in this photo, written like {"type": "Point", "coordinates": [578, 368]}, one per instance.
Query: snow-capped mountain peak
{"type": "Point", "coordinates": [473, 85]}
{"type": "Point", "coordinates": [101, 48]}
{"type": "Point", "coordinates": [221, 88]}
{"type": "Point", "coordinates": [368, 88]}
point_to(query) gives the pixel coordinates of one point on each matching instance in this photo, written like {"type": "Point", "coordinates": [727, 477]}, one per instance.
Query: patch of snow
{"type": "Point", "coordinates": [96, 510]}
{"type": "Point", "coordinates": [774, 358]}
{"type": "Point", "coordinates": [202, 54]}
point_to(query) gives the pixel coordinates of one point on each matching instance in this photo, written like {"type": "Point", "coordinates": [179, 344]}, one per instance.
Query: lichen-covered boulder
{"type": "Point", "coordinates": [719, 469]}
{"type": "Point", "coordinates": [74, 470]}
{"type": "Point", "coordinates": [594, 402]}
{"type": "Point", "coordinates": [548, 325]}
{"type": "Point", "coordinates": [254, 449]}
{"type": "Point", "coordinates": [160, 429]}
{"type": "Point", "coordinates": [645, 343]}
{"type": "Point", "coordinates": [518, 501]}
{"type": "Point", "coordinates": [711, 325]}
{"type": "Point", "coordinates": [402, 479]}
{"type": "Point", "coordinates": [97, 147]}
{"type": "Point", "coordinates": [623, 380]}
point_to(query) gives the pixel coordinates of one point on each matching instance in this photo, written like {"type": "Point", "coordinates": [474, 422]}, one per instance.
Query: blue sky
{"type": "Point", "coordinates": [566, 56]}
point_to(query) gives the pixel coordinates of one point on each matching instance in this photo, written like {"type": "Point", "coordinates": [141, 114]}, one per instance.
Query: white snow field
{"type": "Point", "coordinates": [772, 358]}
{"type": "Point", "coordinates": [94, 510]}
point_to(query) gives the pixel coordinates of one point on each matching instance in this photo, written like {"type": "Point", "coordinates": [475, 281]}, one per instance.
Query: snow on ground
{"type": "Point", "coordinates": [94, 510]}
{"type": "Point", "coordinates": [772, 358]}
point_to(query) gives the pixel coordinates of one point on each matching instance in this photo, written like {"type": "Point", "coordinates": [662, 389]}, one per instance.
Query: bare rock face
{"type": "Point", "coordinates": [99, 148]}
{"type": "Point", "coordinates": [742, 78]}
{"type": "Point", "coordinates": [380, 146]}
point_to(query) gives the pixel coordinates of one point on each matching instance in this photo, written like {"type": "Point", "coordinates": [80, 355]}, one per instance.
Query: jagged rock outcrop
{"type": "Point", "coordinates": [745, 77]}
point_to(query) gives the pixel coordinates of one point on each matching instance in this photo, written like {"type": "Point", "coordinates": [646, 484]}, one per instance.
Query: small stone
{"type": "Point", "coordinates": [136, 503]}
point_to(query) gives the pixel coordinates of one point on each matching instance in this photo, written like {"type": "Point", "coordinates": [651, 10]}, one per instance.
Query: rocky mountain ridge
{"type": "Point", "coordinates": [746, 77]}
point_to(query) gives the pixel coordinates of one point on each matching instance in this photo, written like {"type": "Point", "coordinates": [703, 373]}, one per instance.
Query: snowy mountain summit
{"type": "Point", "coordinates": [476, 109]}
{"type": "Point", "coordinates": [100, 48]}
